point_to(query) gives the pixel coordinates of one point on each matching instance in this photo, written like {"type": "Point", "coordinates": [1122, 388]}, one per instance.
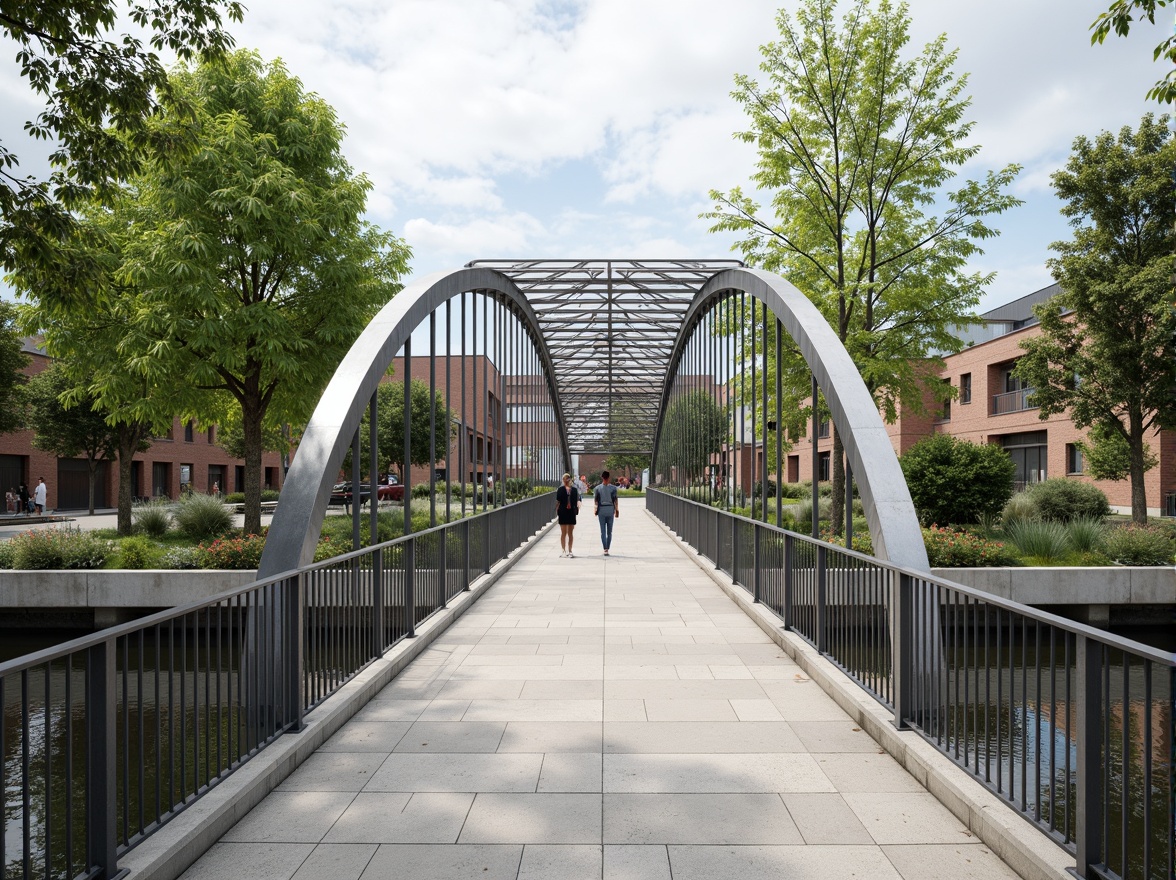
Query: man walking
{"type": "Point", "coordinates": [605, 497]}
{"type": "Point", "coordinates": [39, 495]}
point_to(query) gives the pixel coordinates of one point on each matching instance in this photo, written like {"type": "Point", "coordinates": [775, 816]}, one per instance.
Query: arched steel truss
{"type": "Point", "coordinates": [333, 428]}
{"type": "Point", "coordinates": [894, 526]}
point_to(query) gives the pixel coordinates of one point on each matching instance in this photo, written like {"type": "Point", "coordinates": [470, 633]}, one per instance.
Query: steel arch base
{"type": "Point", "coordinates": [294, 531]}
{"type": "Point", "coordinates": [894, 525]}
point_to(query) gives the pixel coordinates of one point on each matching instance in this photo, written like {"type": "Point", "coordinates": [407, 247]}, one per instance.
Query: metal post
{"type": "Point", "coordinates": [1089, 728]}
{"type": "Point", "coordinates": [789, 562]}
{"type": "Point", "coordinates": [779, 426]}
{"type": "Point", "coordinates": [356, 494]}
{"type": "Point", "coordinates": [377, 555]}
{"type": "Point", "coordinates": [433, 418]}
{"type": "Point", "coordinates": [293, 652]}
{"type": "Point", "coordinates": [848, 505]}
{"type": "Point", "coordinates": [822, 597]}
{"type": "Point", "coordinates": [410, 587]}
{"type": "Point", "coordinates": [816, 463]}
{"type": "Point", "coordinates": [465, 567]}
{"type": "Point", "coordinates": [407, 436]}
{"type": "Point", "coordinates": [902, 648]}
{"type": "Point", "coordinates": [755, 563]}
{"type": "Point", "coordinates": [102, 759]}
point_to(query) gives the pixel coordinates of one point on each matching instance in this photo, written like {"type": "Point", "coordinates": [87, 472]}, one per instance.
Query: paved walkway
{"type": "Point", "coordinates": [612, 718]}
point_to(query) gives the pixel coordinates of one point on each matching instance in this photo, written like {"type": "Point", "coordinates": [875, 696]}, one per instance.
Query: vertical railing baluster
{"type": "Point", "coordinates": [1089, 748]}
{"type": "Point", "coordinates": [101, 759]}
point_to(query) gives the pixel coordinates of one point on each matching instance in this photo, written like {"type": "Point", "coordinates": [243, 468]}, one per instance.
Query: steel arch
{"type": "Point", "coordinates": [295, 528]}
{"type": "Point", "coordinates": [894, 525]}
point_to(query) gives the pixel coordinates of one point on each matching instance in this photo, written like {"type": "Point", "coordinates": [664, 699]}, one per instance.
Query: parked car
{"type": "Point", "coordinates": [342, 494]}
{"type": "Point", "coordinates": [394, 492]}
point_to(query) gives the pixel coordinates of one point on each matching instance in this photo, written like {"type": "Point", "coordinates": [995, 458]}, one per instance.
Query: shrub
{"type": "Point", "coordinates": [947, 548]}
{"type": "Point", "coordinates": [517, 487]}
{"type": "Point", "coordinates": [1020, 507]}
{"type": "Point", "coordinates": [1087, 535]}
{"type": "Point", "coordinates": [59, 548]}
{"type": "Point", "coordinates": [266, 495]}
{"type": "Point", "coordinates": [201, 517]}
{"type": "Point", "coordinates": [180, 558]}
{"type": "Point", "coordinates": [1060, 499]}
{"type": "Point", "coordinates": [1039, 539]}
{"type": "Point", "coordinates": [796, 490]}
{"type": "Point", "coordinates": [955, 481]}
{"type": "Point", "coordinates": [862, 542]}
{"type": "Point", "coordinates": [631, 493]}
{"type": "Point", "coordinates": [804, 511]}
{"type": "Point", "coordinates": [234, 498]}
{"type": "Point", "coordinates": [136, 553]}
{"type": "Point", "coordinates": [420, 490]}
{"type": "Point", "coordinates": [232, 553]}
{"type": "Point", "coordinates": [1139, 545]}
{"type": "Point", "coordinates": [153, 518]}
{"type": "Point", "coordinates": [7, 554]}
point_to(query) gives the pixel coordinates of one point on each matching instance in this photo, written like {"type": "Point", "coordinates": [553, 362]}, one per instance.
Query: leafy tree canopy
{"type": "Point", "coordinates": [1107, 344]}
{"type": "Point", "coordinates": [858, 142]}
{"type": "Point", "coordinates": [250, 267]}
{"type": "Point", "coordinates": [1119, 17]}
{"type": "Point", "coordinates": [13, 360]}
{"type": "Point", "coordinates": [390, 428]}
{"type": "Point", "coordinates": [693, 429]}
{"type": "Point", "coordinates": [100, 91]}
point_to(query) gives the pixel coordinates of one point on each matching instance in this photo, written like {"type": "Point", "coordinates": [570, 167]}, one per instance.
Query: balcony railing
{"type": "Point", "coordinates": [1013, 401]}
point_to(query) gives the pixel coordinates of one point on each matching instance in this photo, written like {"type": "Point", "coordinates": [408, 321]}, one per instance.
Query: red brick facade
{"type": "Point", "coordinates": [188, 450]}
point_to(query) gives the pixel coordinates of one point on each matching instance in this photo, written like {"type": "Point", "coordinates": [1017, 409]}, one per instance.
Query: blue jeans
{"type": "Point", "coordinates": [606, 524]}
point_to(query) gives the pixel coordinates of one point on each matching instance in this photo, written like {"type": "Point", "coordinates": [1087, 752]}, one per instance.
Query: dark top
{"type": "Point", "coordinates": [567, 503]}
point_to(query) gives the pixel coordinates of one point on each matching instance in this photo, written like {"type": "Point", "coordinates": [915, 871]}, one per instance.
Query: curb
{"type": "Point", "coordinates": [1017, 842]}
{"type": "Point", "coordinates": [167, 853]}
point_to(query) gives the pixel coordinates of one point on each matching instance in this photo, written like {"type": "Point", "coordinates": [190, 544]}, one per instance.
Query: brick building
{"type": "Point", "coordinates": [187, 456]}
{"type": "Point", "coordinates": [993, 407]}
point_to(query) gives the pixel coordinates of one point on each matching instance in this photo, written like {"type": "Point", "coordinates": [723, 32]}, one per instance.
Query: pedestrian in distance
{"type": "Point", "coordinates": [582, 485]}
{"type": "Point", "coordinates": [23, 493]}
{"type": "Point", "coordinates": [605, 497]}
{"type": "Point", "coordinates": [39, 495]}
{"type": "Point", "coordinates": [567, 505]}
{"type": "Point", "coordinates": [10, 498]}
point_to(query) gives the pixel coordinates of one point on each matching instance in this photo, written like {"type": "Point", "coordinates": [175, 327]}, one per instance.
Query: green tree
{"type": "Point", "coordinates": [629, 463]}
{"type": "Point", "coordinates": [693, 430]}
{"type": "Point", "coordinates": [13, 360]}
{"type": "Point", "coordinates": [857, 144]}
{"type": "Point", "coordinates": [79, 430]}
{"type": "Point", "coordinates": [253, 269]}
{"type": "Point", "coordinates": [100, 90]}
{"type": "Point", "coordinates": [1107, 454]}
{"type": "Point", "coordinates": [390, 428]}
{"type": "Point", "coordinates": [1119, 18]}
{"type": "Point", "coordinates": [954, 481]}
{"type": "Point", "coordinates": [1107, 344]}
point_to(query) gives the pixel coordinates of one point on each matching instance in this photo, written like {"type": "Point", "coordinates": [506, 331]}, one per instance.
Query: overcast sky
{"type": "Point", "coordinates": [592, 128]}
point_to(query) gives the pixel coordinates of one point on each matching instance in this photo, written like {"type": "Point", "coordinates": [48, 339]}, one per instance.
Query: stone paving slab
{"type": "Point", "coordinates": [615, 718]}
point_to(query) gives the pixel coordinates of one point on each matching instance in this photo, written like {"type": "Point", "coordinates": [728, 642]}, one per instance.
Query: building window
{"type": "Point", "coordinates": [212, 434]}
{"type": "Point", "coordinates": [823, 428]}
{"type": "Point", "coordinates": [823, 466]}
{"type": "Point", "coordinates": [1028, 450]}
{"type": "Point", "coordinates": [1074, 463]}
{"type": "Point", "coordinates": [966, 388]}
{"type": "Point", "coordinates": [189, 430]}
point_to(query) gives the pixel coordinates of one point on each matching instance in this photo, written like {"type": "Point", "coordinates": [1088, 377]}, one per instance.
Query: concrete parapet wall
{"type": "Point", "coordinates": [112, 588]}
{"type": "Point", "coordinates": [1110, 585]}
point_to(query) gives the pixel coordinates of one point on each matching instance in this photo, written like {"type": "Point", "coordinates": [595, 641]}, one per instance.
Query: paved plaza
{"type": "Point", "coordinates": [596, 717]}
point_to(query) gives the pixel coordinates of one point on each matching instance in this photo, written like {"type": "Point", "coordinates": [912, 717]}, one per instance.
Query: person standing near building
{"type": "Point", "coordinates": [605, 497]}
{"type": "Point", "coordinates": [23, 494]}
{"type": "Point", "coordinates": [39, 495]}
{"type": "Point", "coordinates": [567, 505]}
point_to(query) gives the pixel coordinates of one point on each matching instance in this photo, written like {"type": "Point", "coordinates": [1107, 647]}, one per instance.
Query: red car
{"type": "Point", "coordinates": [394, 492]}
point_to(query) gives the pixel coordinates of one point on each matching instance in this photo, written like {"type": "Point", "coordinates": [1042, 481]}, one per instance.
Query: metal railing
{"type": "Point", "coordinates": [1013, 401]}
{"type": "Point", "coordinates": [1071, 726]}
{"type": "Point", "coordinates": [107, 737]}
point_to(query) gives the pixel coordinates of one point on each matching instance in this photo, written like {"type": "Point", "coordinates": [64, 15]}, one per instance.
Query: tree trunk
{"type": "Point", "coordinates": [1138, 488]}
{"type": "Point", "coordinates": [128, 445]}
{"type": "Point", "coordinates": [251, 427]}
{"type": "Point", "coordinates": [92, 462]}
{"type": "Point", "coordinates": [838, 462]}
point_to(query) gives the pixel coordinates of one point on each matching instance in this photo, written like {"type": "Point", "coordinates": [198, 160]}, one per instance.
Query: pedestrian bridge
{"type": "Point", "coordinates": [451, 698]}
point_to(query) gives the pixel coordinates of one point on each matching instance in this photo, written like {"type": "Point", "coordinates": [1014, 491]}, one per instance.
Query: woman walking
{"type": "Point", "coordinates": [567, 505]}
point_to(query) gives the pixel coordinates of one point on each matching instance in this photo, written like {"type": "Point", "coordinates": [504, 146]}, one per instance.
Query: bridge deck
{"type": "Point", "coordinates": [589, 718]}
